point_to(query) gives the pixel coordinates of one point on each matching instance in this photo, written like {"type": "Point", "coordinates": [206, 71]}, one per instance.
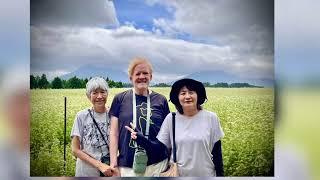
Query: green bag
{"type": "Point", "coordinates": [140, 160]}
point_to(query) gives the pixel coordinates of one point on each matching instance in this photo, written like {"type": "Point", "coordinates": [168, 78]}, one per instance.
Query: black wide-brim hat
{"type": "Point", "coordinates": [191, 83]}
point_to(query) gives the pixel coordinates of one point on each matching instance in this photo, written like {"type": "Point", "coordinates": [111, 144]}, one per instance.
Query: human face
{"type": "Point", "coordinates": [188, 99]}
{"type": "Point", "coordinates": [98, 98]}
{"type": "Point", "coordinates": [141, 77]}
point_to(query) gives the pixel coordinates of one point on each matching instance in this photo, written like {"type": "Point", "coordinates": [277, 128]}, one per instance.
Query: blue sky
{"type": "Point", "coordinates": [139, 13]}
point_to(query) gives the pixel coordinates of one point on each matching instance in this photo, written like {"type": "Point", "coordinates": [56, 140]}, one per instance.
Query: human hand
{"type": "Point", "coordinates": [133, 132]}
{"type": "Point", "coordinates": [116, 171]}
{"type": "Point", "coordinates": [106, 169]}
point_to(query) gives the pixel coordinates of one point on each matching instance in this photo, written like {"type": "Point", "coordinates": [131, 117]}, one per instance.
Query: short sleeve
{"type": "Point", "coordinates": [217, 130]}
{"type": "Point", "coordinates": [115, 107]}
{"type": "Point", "coordinates": [164, 133]}
{"type": "Point", "coordinates": [77, 126]}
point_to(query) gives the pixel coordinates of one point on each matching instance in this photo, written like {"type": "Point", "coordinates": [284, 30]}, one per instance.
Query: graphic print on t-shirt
{"type": "Point", "coordinates": [142, 118]}
{"type": "Point", "coordinates": [92, 136]}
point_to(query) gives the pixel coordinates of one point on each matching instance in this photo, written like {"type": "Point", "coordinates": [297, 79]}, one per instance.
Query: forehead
{"type": "Point", "coordinates": [141, 67]}
{"type": "Point", "coordinates": [98, 90]}
{"type": "Point", "coordinates": [184, 88]}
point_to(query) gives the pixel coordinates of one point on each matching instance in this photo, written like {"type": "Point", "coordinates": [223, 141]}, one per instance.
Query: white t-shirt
{"type": "Point", "coordinates": [195, 137]}
{"type": "Point", "coordinates": [91, 141]}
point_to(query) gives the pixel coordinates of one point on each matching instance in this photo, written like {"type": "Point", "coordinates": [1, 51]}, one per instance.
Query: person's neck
{"type": "Point", "coordinates": [99, 109]}
{"type": "Point", "coordinates": [141, 92]}
{"type": "Point", "coordinates": [190, 112]}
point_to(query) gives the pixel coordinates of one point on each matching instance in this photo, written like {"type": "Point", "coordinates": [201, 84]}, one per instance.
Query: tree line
{"type": "Point", "coordinates": [41, 82]}
{"type": "Point", "coordinates": [217, 85]}
{"type": "Point", "coordinates": [231, 85]}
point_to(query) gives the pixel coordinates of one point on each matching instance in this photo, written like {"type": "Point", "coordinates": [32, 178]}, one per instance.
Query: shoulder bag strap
{"type": "Point", "coordinates": [94, 121]}
{"type": "Point", "coordinates": [174, 137]}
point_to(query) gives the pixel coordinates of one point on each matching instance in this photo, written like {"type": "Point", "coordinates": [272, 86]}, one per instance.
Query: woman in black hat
{"type": "Point", "coordinates": [197, 131]}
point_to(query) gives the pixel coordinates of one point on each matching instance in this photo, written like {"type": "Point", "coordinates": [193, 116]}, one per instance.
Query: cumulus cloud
{"type": "Point", "coordinates": [73, 13]}
{"type": "Point", "coordinates": [67, 48]}
{"type": "Point", "coordinates": [245, 25]}
{"type": "Point", "coordinates": [233, 36]}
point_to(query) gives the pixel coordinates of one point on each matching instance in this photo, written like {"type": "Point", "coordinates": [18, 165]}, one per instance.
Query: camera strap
{"type": "Point", "coordinates": [95, 122]}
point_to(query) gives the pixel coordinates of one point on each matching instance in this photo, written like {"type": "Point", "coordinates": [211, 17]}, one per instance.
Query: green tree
{"type": "Point", "coordinates": [64, 84]}
{"type": "Point", "coordinates": [85, 82]}
{"type": "Point", "coordinates": [74, 83]}
{"type": "Point", "coordinates": [111, 83]}
{"type": "Point", "coordinates": [127, 85]}
{"type": "Point", "coordinates": [161, 85]}
{"type": "Point", "coordinates": [43, 82]}
{"type": "Point", "coordinates": [119, 84]}
{"type": "Point", "coordinates": [33, 82]}
{"type": "Point", "coordinates": [206, 84]}
{"type": "Point", "coordinates": [56, 83]}
{"type": "Point", "coordinates": [221, 84]}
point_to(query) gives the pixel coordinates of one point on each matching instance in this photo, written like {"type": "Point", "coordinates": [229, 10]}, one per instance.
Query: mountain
{"type": "Point", "coordinates": [91, 70]}
{"type": "Point", "coordinates": [214, 77]}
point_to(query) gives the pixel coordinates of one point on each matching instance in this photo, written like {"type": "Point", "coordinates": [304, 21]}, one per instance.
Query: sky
{"type": "Point", "coordinates": [178, 37]}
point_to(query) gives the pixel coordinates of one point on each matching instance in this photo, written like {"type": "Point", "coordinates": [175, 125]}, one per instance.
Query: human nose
{"type": "Point", "coordinates": [100, 95]}
{"type": "Point", "coordinates": [141, 76]}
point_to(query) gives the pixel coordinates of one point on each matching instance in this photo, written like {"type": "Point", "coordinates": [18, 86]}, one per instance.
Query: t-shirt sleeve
{"type": "Point", "coordinates": [115, 107]}
{"type": "Point", "coordinates": [77, 126]}
{"type": "Point", "coordinates": [217, 129]}
{"type": "Point", "coordinates": [164, 133]}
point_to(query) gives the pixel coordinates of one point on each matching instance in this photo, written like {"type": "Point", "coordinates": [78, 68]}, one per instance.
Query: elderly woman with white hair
{"type": "Point", "coordinates": [90, 140]}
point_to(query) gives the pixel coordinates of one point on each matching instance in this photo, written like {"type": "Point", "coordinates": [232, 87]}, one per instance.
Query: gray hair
{"type": "Point", "coordinates": [96, 83]}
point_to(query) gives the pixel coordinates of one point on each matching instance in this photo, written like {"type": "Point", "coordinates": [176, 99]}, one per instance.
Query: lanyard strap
{"type": "Point", "coordinates": [134, 110]}
{"type": "Point", "coordinates": [95, 122]}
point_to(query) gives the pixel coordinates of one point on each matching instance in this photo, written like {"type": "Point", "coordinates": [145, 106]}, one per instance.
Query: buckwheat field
{"type": "Point", "coordinates": [246, 116]}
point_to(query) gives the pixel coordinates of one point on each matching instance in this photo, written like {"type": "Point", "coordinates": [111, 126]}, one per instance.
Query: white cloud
{"type": "Point", "coordinates": [50, 76]}
{"type": "Point", "coordinates": [73, 13]}
{"type": "Point", "coordinates": [67, 48]}
{"type": "Point", "coordinates": [244, 25]}
{"type": "Point", "coordinates": [162, 25]}
{"type": "Point", "coordinates": [129, 31]}
{"type": "Point", "coordinates": [166, 77]}
{"type": "Point", "coordinates": [236, 33]}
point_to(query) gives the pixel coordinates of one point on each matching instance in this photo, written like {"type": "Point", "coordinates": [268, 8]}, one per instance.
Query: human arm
{"type": "Point", "coordinates": [217, 158]}
{"type": "Point", "coordinates": [152, 147]}
{"type": "Point", "coordinates": [114, 135]}
{"type": "Point", "coordinates": [143, 141]}
{"type": "Point", "coordinates": [76, 151]}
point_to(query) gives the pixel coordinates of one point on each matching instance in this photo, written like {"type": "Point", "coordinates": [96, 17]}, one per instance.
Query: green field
{"type": "Point", "coordinates": [246, 115]}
